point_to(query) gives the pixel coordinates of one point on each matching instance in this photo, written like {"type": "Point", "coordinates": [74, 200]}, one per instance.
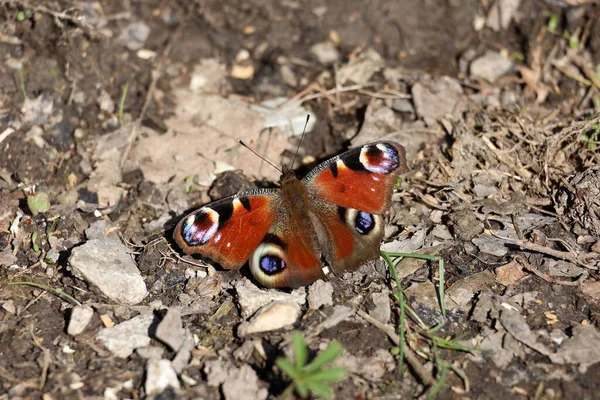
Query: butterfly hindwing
{"type": "Point", "coordinates": [352, 236]}
{"type": "Point", "coordinates": [228, 230]}
{"type": "Point", "coordinates": [286, 257]}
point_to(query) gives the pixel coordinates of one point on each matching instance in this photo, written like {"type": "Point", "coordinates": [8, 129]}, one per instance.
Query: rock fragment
{"type": "Point", "coordinates": [122, 339]}
{"type": "Point", "coordinates": [170, 329]}
{"type": "Point", "coordinates": [271, 317]}
{"type": "Point", "coordinates": [320, 294]}
{"type": "Point", "coordinates": [159, 376]}
{"type": "Point", "coordinates": [107, 264]}
{"type": "Point", "coordinates": [80, 318]}
{"type": "Point", "coordinates": [490, 66]}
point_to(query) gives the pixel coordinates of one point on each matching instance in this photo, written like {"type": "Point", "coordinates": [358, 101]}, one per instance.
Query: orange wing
{"type": "Point", "coordinates": [361, 178]}
{"type": "Point", "coordinates": [228, 230]}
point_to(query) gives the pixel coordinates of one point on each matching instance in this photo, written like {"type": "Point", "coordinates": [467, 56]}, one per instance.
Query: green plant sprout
{"type": "Point", "coordinates": [189, 184]}
{"type": "Point", "coordinates": [426, 332]}
{"type": "Point", "coordinates": [25, 14]}
{"type": "Point", "coordinates": [591, 136]}
{"type": "Point", "coordinates": [312, 378]}
{"type": "Point", "coordinates": [553, 23]}
{"type": "Point", "coordinates": [38, 203]}
{"type": "Point", "coordinates": [574, 39]}
{"type": "Point", "coordinates": [34, 237]}
{"type": "Point", "coordinates": [518, 56]}
{"type": "Point", "coordinates": [50, 289]}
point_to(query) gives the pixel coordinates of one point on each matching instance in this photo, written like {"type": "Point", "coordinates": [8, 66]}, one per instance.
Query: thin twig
{"type": "Point", "coordinates": [521, 260]}
{"type": "Point", "coordinates": [333, 91]}
{"type": "Point", "coordinates": [563, 255]}
{"type": "Point", "coordinates": [571, 75]}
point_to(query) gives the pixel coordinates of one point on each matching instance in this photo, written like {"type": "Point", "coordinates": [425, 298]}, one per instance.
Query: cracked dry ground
{"type": "Point", "coordinates": [118, 118]}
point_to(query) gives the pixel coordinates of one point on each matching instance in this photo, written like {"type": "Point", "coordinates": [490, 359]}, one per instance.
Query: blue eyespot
{"type": "Point", "coordinates": [364, 222]}
{"type": "Point", "coordinates": [271, 265]}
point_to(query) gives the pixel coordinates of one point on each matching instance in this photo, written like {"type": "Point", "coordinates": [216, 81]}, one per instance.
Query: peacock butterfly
{"type": "Point", "coordinates": [334, 213]}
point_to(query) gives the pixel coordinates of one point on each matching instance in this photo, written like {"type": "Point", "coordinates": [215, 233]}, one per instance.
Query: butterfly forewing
{"type": "Point", "coordinates": [361, 178]}
{"type": "Point", "coordinates": [229, 230]}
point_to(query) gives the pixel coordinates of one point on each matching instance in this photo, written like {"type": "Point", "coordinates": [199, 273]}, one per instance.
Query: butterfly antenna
{"type": "Point", "coordinates": [261, 157]}
{"type": "Point", "coordinates": [299, 143]}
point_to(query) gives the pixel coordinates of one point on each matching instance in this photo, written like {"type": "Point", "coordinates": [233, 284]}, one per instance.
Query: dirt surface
{"type": "Point", "coordinates": [117, 118]}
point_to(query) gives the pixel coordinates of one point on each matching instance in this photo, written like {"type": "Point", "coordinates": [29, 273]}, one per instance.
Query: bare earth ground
{"type": "Point", "coordinates": [121, 115]}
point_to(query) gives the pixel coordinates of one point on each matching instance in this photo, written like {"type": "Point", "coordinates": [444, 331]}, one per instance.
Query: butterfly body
{"type": "Point", "coordinates": [333, 214]}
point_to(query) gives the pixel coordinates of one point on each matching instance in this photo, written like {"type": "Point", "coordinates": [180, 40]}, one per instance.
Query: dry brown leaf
{"type": "Point", "coordinates": [510, 274]}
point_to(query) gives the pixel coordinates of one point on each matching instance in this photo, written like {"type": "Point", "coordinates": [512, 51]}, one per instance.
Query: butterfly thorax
{"type": "Point", "coordinates": [294, 194]}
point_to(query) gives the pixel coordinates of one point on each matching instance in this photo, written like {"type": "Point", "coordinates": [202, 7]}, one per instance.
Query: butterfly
{"type": "Point", "coordinates": [334, 214]}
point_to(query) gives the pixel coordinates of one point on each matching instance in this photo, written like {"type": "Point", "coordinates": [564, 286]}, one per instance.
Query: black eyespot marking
{"type": "Point", "coordinates": [342, 213]}
{"type": "Point", "coordinates": [364, 222]}
{"type": "Point", "coordinates": [276, 240]}
{"type": "Point", "coordinates": [353, 162]}
{"type": "Point", "coordinates": [245, 202]}
{"type": "Point", "coordinates": [334, 169]}
{"type": "Point", "coordinates": [271, 265]}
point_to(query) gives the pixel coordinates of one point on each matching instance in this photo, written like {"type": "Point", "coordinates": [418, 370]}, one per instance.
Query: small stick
{"type": "Point", "coordinates": [521, 260]}
{"type": "Point", "coordinates": [563, 255]}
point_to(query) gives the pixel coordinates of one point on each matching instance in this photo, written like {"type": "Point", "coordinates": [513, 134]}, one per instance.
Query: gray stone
{"type": "Point", "coordinates": [273, 316]}
{"type": "Point", "coordinates": [383, 310]}
{"type": "Point", "coordinates": [170, 329]}
{"type": "Point", "coordinates": [80, 318]}
{"type": "Point", "coordinates": [237, 383]}
{"type": "Point", "coordinates": [122, 339]}
{"type": "Point", "coordinates": [326, 52]}
{"type": "Point", "coordinates": [134, 35]}
{"type": "Point", "coordinates": [251, 298]}
{"type": "Point", "coordinates": [436, 98]}
{"type": "Point", "coordinates": [159, 376]}
{"type": "Point", "coordinates": [490, 66]}
{"type": "Point", "coordinates": [320, 294]}
{"type": "Point", "coordinates": [107, 264]}
{"type": "Point", "coordinates": [361, 68]}
{"type": "Point", "coordinates": [150, 352]}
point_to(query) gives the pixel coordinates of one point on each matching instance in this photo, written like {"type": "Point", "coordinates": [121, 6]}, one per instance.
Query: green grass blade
{"type": "Point", "coordinates": [450, 344]}
{"type": "Point", "coordinates": [22, 82]}
{"type": "Point", "coordinates": [300, 350]}
{"type": "Point", "coordinates": [328, 355]}
{"type": "Point", "coordinates": [441, 271]}
{"type": "Point", "coordinates": [58, 292]}
{"type": "Point", "coordinates": [439, 384]}
{"type": "Point", "coordinates": [332, 374]}
{"type": "Point", "coordinates": [287, 367]}
{"type": "Point", "coordinates": [122, 102]}
{"type": "Point", "coordinates": [399, 295]}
